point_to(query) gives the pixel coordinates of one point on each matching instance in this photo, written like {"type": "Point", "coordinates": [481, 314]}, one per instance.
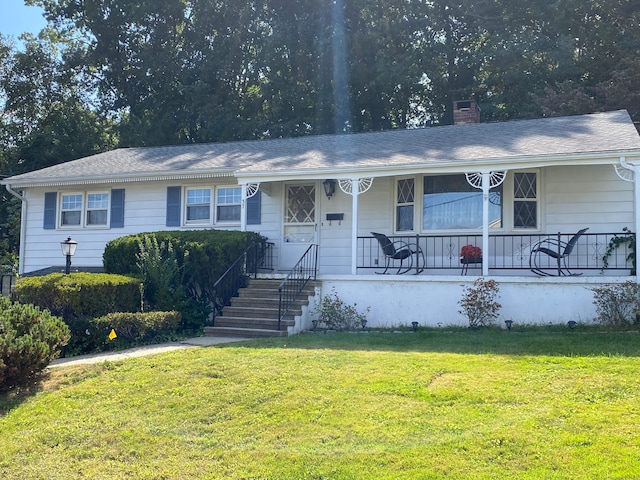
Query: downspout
{"type": "Point", "coordinates": [23, 227]}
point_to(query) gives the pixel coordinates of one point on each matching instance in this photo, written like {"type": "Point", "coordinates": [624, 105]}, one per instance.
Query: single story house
{"type": "Point", "coordinates": [500, 188]}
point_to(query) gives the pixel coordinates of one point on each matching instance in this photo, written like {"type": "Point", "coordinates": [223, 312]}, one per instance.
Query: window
{"type": "Point", "coordinates": [84, 209]}
{"type": "Point", "coordinates": [71, 210]}
{"type": "Point", "coordinates": [525, 200]}
{"type": "Point", "coordinates": [228, 204]}
{"type": "Point", "coordinates": [450, 203]}
{"type": "Point", "coordinates": [97, 208]}
{"type": "Point", "coordinates": [198, 205]}
{"type": "Point", "coordinates": [405, 198]}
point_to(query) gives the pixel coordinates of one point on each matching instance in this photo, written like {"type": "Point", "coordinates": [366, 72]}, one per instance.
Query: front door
{"type": "Point", "coordinates": [300, 227]}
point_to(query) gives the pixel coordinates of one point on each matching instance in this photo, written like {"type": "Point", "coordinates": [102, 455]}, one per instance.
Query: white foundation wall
{"type": "Point", "coordinates": [396, 300]}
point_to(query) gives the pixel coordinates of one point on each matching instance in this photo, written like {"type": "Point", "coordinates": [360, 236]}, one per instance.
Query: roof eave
{"type": "Point", "coordinates": [111, 179]}
{"type": "Point", "coordinates": [452, 166]}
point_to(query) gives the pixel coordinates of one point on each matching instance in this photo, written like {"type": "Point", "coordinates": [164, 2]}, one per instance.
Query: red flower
{"type": "Point", "coordinates": [471, 252]}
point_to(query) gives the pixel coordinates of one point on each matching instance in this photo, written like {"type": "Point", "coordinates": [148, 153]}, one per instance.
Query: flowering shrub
{"type": "Point", "coordinates": [335, 314]}
{"type": "Point", "coordinates": [479, 302]}
{"type": "Point", "coordinates": [617, 305]}
{"type": "Point", "coordinates": [471, 252]}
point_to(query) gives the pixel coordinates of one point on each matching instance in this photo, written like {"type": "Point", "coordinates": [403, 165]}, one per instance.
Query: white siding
{"type": "Point", "coordinates": [145, 211]}
{"type": "Point", "coordinates": [571, 198]}
{"type": "Point", "coordinates": [578, 197]}
{"type": "Point", "coordinates": [335, 236]}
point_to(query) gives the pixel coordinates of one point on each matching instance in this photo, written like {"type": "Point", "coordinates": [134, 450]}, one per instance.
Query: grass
{"type": "Point", "coordinates": [530, 403]}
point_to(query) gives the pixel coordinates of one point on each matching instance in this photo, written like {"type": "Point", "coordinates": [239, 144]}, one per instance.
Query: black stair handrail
{"type": "Point", "coordinates": [295, 281]}
{"type": "Point", "coordinates": [257, 256]}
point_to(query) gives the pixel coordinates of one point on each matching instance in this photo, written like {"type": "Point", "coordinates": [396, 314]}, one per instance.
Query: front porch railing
{"type": "Point", "coordinates": [507, 253]}
{"type": "Point", "coordinates": [256, 258]}
{"type": "Point", "coordinates": [306, 269]}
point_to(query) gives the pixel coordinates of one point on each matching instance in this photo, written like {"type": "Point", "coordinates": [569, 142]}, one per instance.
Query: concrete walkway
{"type": "Point", "coordinates": [143, 351]}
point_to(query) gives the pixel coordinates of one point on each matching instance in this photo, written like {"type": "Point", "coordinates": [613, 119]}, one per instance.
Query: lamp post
{"type": "Point", "coordinates": [68, 250]}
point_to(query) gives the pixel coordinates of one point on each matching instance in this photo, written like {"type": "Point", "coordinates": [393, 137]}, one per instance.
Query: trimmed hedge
{"type": "Point", "coordinates": [140, 326]}
{"type": "Point", "coordinates": [29, 339]}
{"type": "Point", "coordinates": [202, 256]}
{"type": "Point", "coordinates": [80, 295]}
{"type": "Point", "coordinates": [209, 251]}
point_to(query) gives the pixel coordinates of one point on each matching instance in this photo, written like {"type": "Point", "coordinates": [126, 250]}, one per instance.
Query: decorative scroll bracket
{"type": "Point", "coordinates": [346, 185]}
{"type": "Point", "coordinates": [252, 189]}
{"type": "Point", "coordinates": [495, 179]}
{"type": "Point", "coordinates": [624, 170]}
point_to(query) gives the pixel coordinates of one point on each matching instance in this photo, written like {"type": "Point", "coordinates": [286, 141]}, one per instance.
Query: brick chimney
{"type": "Point", "coordinates": [465, 111]}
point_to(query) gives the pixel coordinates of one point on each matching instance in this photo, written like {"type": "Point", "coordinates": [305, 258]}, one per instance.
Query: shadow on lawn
{"type": "Point", "coordinates": [548, 341]}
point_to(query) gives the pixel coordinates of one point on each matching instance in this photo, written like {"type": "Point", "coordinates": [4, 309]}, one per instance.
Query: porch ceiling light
{"type": "Point", "coordinates": [68, 250]}
{"type": "Point", "coordinates": [329, 187]}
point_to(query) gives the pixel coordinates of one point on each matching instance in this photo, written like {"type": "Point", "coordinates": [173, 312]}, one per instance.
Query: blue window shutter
{"type": "Point", "coordinates": [254, 205]}
{"type": "Point", "coordinates": [173, 206]}
{"type": "Point", "coordinates": [117, 208]}
{"type": "Point", "coordinates": [50, 201]}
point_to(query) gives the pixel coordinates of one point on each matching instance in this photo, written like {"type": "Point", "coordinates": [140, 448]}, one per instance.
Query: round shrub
{"type": "Point", "coordinates": [29, 339]}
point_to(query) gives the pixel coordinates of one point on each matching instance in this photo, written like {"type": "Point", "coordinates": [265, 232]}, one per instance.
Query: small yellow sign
{"type": "Point", "coordinates": [112, 334]}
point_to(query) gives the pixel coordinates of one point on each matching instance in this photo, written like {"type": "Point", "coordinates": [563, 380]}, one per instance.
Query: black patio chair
{"type": "Point", "coordinates": [400, 250]}
{"type": "Point", "coordinates": [556, 249]}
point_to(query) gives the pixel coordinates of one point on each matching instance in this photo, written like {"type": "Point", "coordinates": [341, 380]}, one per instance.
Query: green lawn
{"type": "Point", "coordinates": [535, 403]}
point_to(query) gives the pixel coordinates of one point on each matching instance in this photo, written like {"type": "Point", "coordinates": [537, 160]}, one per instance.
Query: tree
{"type": "Point", "coordinates": [46, 119]}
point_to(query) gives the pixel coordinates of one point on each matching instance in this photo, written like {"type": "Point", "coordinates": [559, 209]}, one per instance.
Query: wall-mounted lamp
{"type": "Point", "coordinates": [329, 187]}
{"type": "Point", "coordinates": [68, 250]}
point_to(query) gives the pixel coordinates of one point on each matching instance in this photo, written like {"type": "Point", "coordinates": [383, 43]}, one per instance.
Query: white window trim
{"type": "Point", "coordinates": [215, 208]}
{"type": "Point", "coordinates": [83, 210]}
{"type": "Point", "coordinates": [185, 206]}
{"type": "Point", "coordinates": [417, 189]}
{"type": "Point", "coordinates": [86, 209]}
{"type": "Point", "coordinates": [512, 201]}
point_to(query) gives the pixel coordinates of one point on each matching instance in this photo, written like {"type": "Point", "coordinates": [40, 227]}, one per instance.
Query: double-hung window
{"type": "Point", "coordinates": [84, 209]}
{"type": "Point", "coordinates": [228, 204]}
{"type": "Point", "coordinates": [71, 210]}
{"type": "Point", "coordinates": [198, 205]}
{"type": "Point", "coordinates": [97, 209]}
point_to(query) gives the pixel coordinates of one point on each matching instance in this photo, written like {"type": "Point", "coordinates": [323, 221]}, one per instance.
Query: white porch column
{"type": "Point", "coordinates": [355, 193]}
{"type": "Point", "coordinates": [243, 208]}
{"type": "Point", "coordinates": [485, 181]}
{"type": "Point", "coordinates": [354, 187]}
{"type": "Point", "coordinates": [486, 185]}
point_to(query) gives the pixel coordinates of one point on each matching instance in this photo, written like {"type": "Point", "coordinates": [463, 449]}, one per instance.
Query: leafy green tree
{"type": "Point", "coordinates": [47, 118]}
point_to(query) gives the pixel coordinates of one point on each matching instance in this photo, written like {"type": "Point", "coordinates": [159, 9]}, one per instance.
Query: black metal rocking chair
{"type": "Point", "coordinates": [400, 250]}
{"type": "Point", "coordinates": [554, 248]}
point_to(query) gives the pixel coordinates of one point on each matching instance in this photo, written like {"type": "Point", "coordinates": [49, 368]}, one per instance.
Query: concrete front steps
{"type": "Point", "coordinates": [254, 312]}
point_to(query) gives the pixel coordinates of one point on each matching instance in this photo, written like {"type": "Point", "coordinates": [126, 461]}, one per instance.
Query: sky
{"type": "Point", "coordinates": [16, 18]}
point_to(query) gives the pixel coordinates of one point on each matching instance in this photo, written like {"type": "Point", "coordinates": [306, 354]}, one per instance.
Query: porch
{"type": "Point", "coordinates": [593, 254]}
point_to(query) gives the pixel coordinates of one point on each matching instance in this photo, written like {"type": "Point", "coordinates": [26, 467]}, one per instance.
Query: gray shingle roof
{"type": "Point", "coordinates": [608, 132]}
